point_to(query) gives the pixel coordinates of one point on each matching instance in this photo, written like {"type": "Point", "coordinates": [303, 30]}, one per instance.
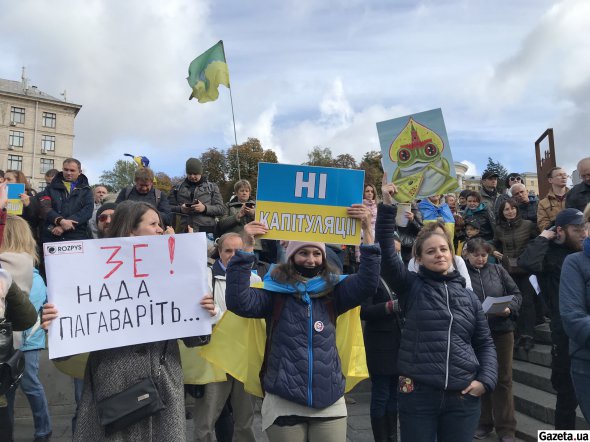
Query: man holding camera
{"type": "Point", "coordinates": [544, 257]}
{"type": "Point", "coordinates": [196, 201]}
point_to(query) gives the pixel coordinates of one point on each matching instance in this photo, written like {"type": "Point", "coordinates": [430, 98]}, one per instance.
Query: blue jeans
{"type": "Point", "coordinates": [581, 379]}
{"type": "Point", "coordinates": [33, 389]}
{"type": "Point", "coordinates": [427, 415]}
{"type": "Point", "coordinates": [383, 395]}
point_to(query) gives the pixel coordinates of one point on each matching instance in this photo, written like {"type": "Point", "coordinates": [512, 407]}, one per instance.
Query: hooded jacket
{"type": "Point", "coordinates": [303, 365]}
{"type": "Point", "coordinates": [446, 341]}
{"type": "Point", "coordinates": [204, 191]}
{"type": "Point", "coordinates": [482, 215]}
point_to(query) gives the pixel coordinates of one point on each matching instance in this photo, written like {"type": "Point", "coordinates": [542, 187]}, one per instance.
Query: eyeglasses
{"type": "Point", "coordinates": [561, 175]}
{"type": "Point", "coordinates": [515, 178]}
{"type": "Point", "coordinates": [102, 218]}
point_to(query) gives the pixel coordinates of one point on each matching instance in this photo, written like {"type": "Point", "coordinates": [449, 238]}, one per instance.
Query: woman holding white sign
{"type": "Point", "coordinates": [146, 373]}
{"type": "Point", "coordinates": [301, 299]}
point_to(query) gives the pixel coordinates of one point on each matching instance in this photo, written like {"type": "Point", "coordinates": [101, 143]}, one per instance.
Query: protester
{"type": "Point", "coordinates": [49, 175]}
{"type": "Point", "coordinates": [451, 200]}
{"type": "Point", "coordinates": [99, 193]}
{"type": "Point", "coordinates": [511, 236]}
{"type": "Point", "coordinates": [477, 210]}
{"type": "Point", "coordinates": [511, 179]}
{"type": "Point", "coordinates": [16, 309]}
{"type": "Point", "coordinates": [66, 204]}
{"type": "Point", "coordinates": [18, 255]}
{"type": "Point", "coordinates": [527, 205]}
{"type": "Point", "coordinates": [463, 199]}
{"type": "Point", "coordinates": [196, 200]}
{"type": "Point", "coordinates": [579, 196]}
{"type": "Point", "coordinates": [574, 304]}
{"type": "Point", "coordinates": [446, 359]}
{"type": "Point", "coordinates": [471, 232]}
{"type": "Point", "coordinates": [1, 176]}
{"type": "Point", "coordinates": [491, 280]}
{"type": "Point", "coordinates": [408, 234]}
{"type": "Point", "coordinates": [369, 201]}
{"type": "Point", "coordinates": [489, 191]}
{"type": "Point", "coordinates": [103, 218]}
{"type": "Point", "coordinates": [302, 347]}
{"type": "Point", "coordinates": [143, 190]}
{"type": "Point", "coordinates": [114, 370]}
{"type": "Point", "coordinates": [382, 334]}
{"type": "Point", "coordinates": [240, 211]}
{"type": "Point", "coordinates": [544, 256]}
{"type": "Point", "coordinates": [554, 202]}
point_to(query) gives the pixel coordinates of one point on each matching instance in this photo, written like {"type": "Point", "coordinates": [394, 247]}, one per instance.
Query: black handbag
{"type": "Point", "coordinates": [12, 362]}
{"type": "Point", "coordinates": [133, 404]}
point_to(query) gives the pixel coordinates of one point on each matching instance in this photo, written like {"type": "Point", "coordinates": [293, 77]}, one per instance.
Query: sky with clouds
{"type": "Point", "coordinates": [306, 73]}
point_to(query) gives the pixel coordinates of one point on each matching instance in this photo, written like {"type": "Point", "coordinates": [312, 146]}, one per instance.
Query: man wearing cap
{"type": "Point", "coordinates": [554, 202]}
{"type": "Point", "coordinates": [144, 191]}
{"type": "Point", "coordinates": [196, 200]}
{"type": "Point", "coordinates": [544, 257]}
{"type": "Point", "coordinates": [104, 217]}
{"type": "Point", "coordinates": [489, 191]}
{"type": "Point", "coordinates": [579, 196]}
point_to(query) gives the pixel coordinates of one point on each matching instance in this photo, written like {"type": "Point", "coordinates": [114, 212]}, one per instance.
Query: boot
{"type": "Point", "coordinates": [391, 427]}
{"type": "Point", "coordinates": [5, 425]}
{"type": "Point", "coordinates": [379, 426]}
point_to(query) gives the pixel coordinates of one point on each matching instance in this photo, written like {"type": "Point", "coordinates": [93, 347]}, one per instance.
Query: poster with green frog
{"type": "Point", "coordinates": [417, 156]}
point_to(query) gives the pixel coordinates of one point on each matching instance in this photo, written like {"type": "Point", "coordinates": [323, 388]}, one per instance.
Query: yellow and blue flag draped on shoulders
{"type": "Point", "coordinates": [238, 344]}
{"type": "Point", "coordinates": [207, 72]}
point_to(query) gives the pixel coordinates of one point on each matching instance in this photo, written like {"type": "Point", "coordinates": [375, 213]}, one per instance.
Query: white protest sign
{"type": "Point", "coordinates": [122, 291]}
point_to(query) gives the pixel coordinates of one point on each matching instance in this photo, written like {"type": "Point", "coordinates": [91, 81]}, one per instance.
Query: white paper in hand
{"type": "Point", "coordinates": [493, 306]}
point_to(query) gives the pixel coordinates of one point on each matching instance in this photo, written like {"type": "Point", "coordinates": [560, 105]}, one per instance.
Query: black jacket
{"type": "Point", "coordinates": [446, 341]}
{"type": "Point", "coordinates": [578, 197]}
{"type": "Point", "coordinates": [77, 206]}
{"type": "Point", "coordinates": [493, 280]}
{"type": "Point", "coordinates": [382, 333]}
{"type": "Point", "coordinates": [155, 197]}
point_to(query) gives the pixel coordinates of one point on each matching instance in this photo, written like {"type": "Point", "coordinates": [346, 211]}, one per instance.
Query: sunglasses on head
{"type": "Point", "coordinates": [515, 178]}
{"type": "Point", "coordinates": [103, 218]}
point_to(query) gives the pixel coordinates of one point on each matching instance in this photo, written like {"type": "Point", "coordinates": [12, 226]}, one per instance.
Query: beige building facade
{"type": "Point", "coordinates": [36, 130]}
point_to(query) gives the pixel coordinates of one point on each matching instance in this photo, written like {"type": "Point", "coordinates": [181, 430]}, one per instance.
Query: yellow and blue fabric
{"type": "Point", "coordinates": [15, 205]}
{"type": "Point", "coordinates": [247, 339]}
{"type": "Point", "coordinates": [207, 72]}
{"type": "Point", "coordinates": [315, 213]}
{"type": "Point", "coordinates": [431, 213]}
{"type": "Point", "coordinates": [141, 161]}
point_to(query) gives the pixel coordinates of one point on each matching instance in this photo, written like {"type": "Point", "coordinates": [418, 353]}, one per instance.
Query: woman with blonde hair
{"type": "Point", "coordinates": [18, 256]}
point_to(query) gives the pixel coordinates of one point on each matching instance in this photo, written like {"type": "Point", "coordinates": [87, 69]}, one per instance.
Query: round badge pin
{"type": "Point", "coordinates": [318, 326]}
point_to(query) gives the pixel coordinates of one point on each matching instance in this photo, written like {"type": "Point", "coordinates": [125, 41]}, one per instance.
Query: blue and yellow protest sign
{"type": "Point", "coordinates": [308, 203]}
{"type": "Point", "coordinates": [15, 205]}
{"type": "Point", "coordinates": [417, 156]}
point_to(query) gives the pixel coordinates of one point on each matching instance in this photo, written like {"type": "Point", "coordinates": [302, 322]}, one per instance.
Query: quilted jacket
{"type": "Point", "coordinates": [303, 365]}
{"type": "Point", "coordinates": [446, 341]}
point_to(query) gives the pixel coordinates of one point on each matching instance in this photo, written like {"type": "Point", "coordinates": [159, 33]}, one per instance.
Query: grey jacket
{"type": "Point", "coordinates": [208, 194]}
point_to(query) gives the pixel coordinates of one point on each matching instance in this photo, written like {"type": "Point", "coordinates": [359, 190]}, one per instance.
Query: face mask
{"type": "Point", "coordinates": [308, 272]}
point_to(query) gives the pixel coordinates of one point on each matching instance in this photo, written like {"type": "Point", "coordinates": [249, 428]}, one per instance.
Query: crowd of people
{"type": "Point", "coordinates": [439, 365]}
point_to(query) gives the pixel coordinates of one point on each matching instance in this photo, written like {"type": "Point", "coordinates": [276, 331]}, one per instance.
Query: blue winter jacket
{"type": "Point", "coordinates": [446, 341]}
{"type": "Point", "coordinates": [303, 365]}
{"type": "Point", "coordinates": [574, 301]}
{"type": "Point", "coordinates": [38, 297]}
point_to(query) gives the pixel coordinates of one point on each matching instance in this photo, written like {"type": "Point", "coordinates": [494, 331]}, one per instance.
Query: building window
{"type": "Point", "coordinates": [46, 164]}
{"type": "Point", "coordinates": [49, 119]}
{"type": "Point", "coordinates": [17, 114]}
{"type": "Point", "coordinates": [16, 138]}
{"type": "Point", "coordinates": [15, 162]}
{"type": "Point", "coordinates": [47, 143]}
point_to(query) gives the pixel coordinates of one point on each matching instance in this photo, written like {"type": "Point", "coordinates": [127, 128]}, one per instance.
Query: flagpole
{"type": "Point", "coordinates": [231, 100]}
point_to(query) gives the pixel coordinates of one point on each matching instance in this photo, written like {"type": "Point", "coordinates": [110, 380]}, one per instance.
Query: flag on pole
{"type": "Point", "coordinates": [207, 72]}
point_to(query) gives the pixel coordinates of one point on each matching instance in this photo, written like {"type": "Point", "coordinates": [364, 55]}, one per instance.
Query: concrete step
{"type": "Point", "coordinates": [543, 334]}
{"type": "Point", "coordinates": [540, 405]}
{"type": "Point", "coordinates": [533, 375]}
{"type": "Point", "coordinates": [527, 427]}
{"type": "Point", "coordinates": [540, 354]}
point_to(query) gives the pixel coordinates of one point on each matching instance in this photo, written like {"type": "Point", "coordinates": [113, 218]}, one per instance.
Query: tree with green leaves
{"type": "Point", "coordinates": [345, 161]}
{"type": "Point", "coordinates": [320, 156]}
{"type": "Point", "coordinates": [251, 153]}
{"type": "Point", "coordinates": [371, 164]}
{"type": "Point", "coordinates": [215, 166]}
{"type": "Point", "coordinates": [163, 182]}
{"type": "Point", "coordinates": [498, 168]}
{"type": "Point", "coordinates": [120, 176]}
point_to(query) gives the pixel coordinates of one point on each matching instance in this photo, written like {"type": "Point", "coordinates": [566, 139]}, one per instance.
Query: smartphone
{"type": "Point", "coordinates": [552, 229]}
{"type": "Point", "coordinates": [250, 205]}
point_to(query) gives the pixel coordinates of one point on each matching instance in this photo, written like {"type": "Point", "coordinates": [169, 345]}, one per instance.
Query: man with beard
{"type": "Point", "coordinates": [544, 257]}
{"type": "Point", "coordinates": [104, 216]}
{"type": "Point", "coordinates": [489, 191]}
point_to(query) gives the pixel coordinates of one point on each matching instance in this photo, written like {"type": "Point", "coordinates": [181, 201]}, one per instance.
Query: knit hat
{"type": "Point", "coordinates": [294, 246]}
{"type": "Point", "coordinates": [105, 206]}
{"type": "Point", "coordinates": [194, 167]}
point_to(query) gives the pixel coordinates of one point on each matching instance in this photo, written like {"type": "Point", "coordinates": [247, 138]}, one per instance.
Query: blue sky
{"type": "Point", "coordinates": [307, 73]}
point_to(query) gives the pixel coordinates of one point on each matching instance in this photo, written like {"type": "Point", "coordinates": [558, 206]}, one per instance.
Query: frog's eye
{"type": "Point", "coordinates": [403, 155]}
{"type": "Point", "coordinates": [430, 150]}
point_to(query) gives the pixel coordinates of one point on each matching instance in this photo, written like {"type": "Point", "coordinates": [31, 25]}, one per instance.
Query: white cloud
{"type": "Point", "coordinates": [471, 167]}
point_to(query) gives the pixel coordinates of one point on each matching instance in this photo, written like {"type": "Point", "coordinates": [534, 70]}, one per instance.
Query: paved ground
{"type": "Point", "coordinates": [359, 424]}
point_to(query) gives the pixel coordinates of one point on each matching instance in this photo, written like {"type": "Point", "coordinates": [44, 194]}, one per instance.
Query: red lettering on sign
{"type": "Point", "coordinates": [136, 260]}
{"type": "Point", "coordinates": [110, 260]}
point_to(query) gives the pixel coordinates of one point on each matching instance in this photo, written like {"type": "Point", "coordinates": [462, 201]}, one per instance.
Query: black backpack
{"type": "Point", "coordinates": [12, 362]}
